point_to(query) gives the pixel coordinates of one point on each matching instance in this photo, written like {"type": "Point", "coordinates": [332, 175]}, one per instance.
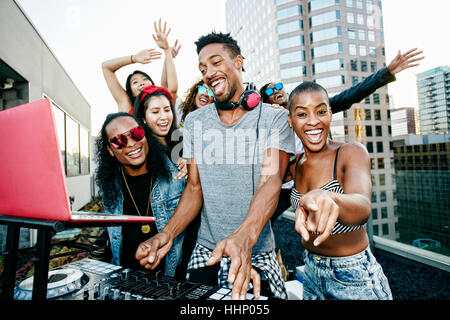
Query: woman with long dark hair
{"type": "Point", "coordinates": [139, 79]}
{"type": "Point", "coordinates": [154, 107]}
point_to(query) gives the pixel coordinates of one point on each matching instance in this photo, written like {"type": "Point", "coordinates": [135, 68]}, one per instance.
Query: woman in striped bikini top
{"type": "Point", "coordinates": [332, 212]}
{"type": "Point", "coordinates": [332, 186]}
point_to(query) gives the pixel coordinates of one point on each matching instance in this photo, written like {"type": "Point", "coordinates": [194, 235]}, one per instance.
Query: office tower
{"type": "Point", "coordinates": [336, 43]}
{"type": "Point", "coordinates": [433, 87]}
{"type": "Point", "coordinates": [404, 121]}
{"type": "Point", "coordinates": [423, 186]}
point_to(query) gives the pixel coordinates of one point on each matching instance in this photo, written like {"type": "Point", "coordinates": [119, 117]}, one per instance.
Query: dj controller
{"type": "Point", "coordinates": [90, 279]}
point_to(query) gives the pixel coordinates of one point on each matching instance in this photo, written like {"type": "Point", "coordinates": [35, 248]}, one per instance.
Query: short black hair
{"type": "Point", "coordinates": [306, 86]}
{"type": "Point", "coordinates": [218, 37]}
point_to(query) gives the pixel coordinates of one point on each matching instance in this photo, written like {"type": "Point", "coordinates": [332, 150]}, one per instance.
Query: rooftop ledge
{"type": "Point", "coordinates": [430, 258]}
{"type": "Point", "coordinates": [426, 257]}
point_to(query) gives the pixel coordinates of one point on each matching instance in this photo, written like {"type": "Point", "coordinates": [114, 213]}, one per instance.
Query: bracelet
{"type": "Point", "coordinates": [131, 57]}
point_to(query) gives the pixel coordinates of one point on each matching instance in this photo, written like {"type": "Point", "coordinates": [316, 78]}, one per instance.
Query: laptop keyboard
{"type": "Point", "coordinates": [84, 215]}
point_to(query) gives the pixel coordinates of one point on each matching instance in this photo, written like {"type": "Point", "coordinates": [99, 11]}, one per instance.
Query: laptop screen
{"type": "Point", "coordinates": [32, 178]}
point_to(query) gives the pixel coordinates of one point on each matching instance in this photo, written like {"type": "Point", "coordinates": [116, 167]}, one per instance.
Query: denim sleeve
{"type": "Point", "coordinates": [359, 91]}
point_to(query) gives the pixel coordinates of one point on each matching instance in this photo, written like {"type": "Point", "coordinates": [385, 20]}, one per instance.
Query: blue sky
{"type": "Point", "coordinates": [84, 33]}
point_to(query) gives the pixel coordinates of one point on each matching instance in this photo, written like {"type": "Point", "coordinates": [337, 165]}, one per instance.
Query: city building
{"type": "Point", "coordinates": [337, 44]}
{"type": "Point", "coordinates": [404, 121]}
{"type": "Point", "coordinates": [433, 87]}
{"type": "Point", "coordinates": [423, 186]}
{"type": "Point", "coordinates": [29, 71]}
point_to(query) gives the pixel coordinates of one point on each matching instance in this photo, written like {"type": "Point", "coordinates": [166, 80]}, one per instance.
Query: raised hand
{"type": "Point", "coordinates": [175, 49]}
{"type": "Point", "coordinates": [161, 35]}
{"type": "Point", "coordinates": [404, 61]}
{"type": "Point", "coordinates": [146, 56]}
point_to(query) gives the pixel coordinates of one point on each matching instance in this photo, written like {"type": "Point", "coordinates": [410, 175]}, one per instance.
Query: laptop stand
{"type": "Point", "coordinates": [46, 229]}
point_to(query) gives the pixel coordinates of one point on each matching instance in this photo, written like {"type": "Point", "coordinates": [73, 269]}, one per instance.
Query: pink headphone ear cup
{"type": "Point", "coordinates": [253, 100]}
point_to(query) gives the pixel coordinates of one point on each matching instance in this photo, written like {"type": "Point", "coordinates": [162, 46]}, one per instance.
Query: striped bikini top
{"type": "Point", "coordinates": [332, 186]}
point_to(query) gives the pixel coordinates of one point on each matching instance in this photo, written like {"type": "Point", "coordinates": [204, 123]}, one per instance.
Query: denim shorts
{"type": "Point", "coordinates": [356, 277]}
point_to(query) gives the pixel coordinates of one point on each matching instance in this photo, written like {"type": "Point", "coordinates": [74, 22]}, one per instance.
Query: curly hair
{"type": "Point", "coordinates": [108, 167]}
{"type": "Point", "coordinates": [188, 105]}
{"type": "Point", "coordinates": [218, 37]}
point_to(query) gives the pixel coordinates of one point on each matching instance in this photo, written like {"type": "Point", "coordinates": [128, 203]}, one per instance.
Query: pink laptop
{"type": "Point", "coordinates": [32, 178]}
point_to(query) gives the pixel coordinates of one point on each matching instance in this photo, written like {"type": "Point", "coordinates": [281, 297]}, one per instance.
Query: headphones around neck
{"type": "Point", "coordinates": [249, 100]}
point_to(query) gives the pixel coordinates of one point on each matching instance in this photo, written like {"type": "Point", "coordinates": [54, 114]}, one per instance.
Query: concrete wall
{"type": "Point", "coordinates": [24, 50]}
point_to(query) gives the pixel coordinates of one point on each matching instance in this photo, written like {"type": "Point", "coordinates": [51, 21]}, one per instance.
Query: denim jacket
{"type": "Point", "coordinates": [164, 200]}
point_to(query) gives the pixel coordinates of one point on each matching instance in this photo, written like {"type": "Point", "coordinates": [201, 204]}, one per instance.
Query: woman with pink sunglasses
{"type": "Point", "coordinates": [135, 177]}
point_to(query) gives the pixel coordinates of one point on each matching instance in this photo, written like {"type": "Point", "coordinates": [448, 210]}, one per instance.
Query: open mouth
{"type": "Point", "coordinates": [135, 153]}
{"type": "Point", "coordinates": [217, 86]}
{"type": "Point", "coordinates": [164, 126]}
{"type": "Point", "coordinates": [278, 98]}
{"type": "Point", "coordinates": [314, 136]}
{"type": "Point", "coordinates": [204, 100]}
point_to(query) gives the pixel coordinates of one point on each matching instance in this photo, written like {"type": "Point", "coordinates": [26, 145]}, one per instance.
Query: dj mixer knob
{"type": "Point", "coordinates": [97, 290]}
{"type": "Point", "coordinates": [95, 280]}
{"type": "Point", "coordinates": [86, 294]}
{"type": "Point", "coordinates": [125, 274]}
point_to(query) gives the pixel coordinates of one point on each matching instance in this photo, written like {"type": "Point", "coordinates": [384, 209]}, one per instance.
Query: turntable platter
{"type": "Point", "coordinates": [60, 282]}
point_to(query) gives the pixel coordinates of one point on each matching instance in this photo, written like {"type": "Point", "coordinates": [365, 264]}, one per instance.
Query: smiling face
{"type": "Point", "coordinates": [159, 116]}
{"type": "Point", "coordinates": [221, 72]}
{"type": "Point", "coordinates": [137, 82]}
{"type": "Point", "coordinates": [202, 98]}
{"type": "Point", "coordinates": [133, 156]}
{"type": "Point", "coordinates": [310, 116]}
{"type": "Point", "coordinates": [279, 96]}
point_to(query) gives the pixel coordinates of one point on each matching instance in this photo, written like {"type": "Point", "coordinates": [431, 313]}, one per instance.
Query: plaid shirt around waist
{"type": "Point", "coordinates": [265, 262]}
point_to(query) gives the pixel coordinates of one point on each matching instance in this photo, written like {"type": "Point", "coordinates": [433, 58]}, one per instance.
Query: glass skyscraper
{"type": "Point", "coordinates": [433, 87]}
{"type": "Point", "coordinates": [423, 188]}
{"type": "Point", "coordinates": [336, 43]}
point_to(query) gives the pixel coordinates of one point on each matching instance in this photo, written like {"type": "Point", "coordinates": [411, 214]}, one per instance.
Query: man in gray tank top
{"type": "Point", "coordinates": [237, 156]}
